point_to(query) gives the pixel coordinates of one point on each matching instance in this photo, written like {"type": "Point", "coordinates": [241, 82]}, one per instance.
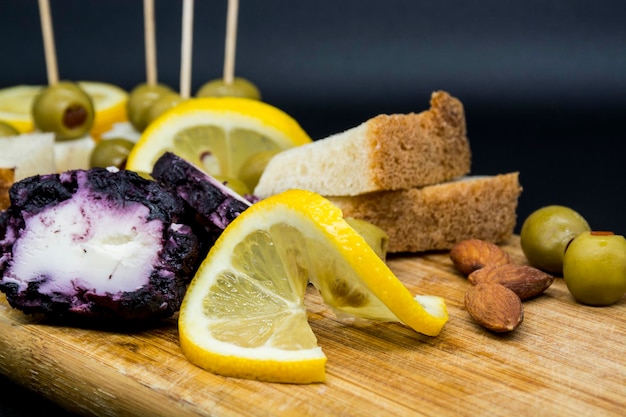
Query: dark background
{"type": "Point", "coordinates": [543, 82]}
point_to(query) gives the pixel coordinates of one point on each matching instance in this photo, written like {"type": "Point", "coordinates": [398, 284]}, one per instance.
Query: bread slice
{"type": "Point", "coordinates": [387, 152]}
{"type": "Point", "coordinates": [438, 216]}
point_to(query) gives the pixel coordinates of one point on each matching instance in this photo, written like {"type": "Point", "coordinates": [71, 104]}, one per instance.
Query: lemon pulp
{"type": "Point", "coordinates": [219, 152]}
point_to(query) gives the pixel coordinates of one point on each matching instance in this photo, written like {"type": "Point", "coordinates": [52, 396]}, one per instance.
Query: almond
{"type": "Point", "coordinates": [472, 254]}
{"type": "Point", "coordinates": [525, 281]}
{"type": "Point", "coordinates": [495, 307]}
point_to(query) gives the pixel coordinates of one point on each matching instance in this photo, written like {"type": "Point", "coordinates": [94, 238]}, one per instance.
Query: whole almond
{"type": "Point", "coordinates": [472, 254]}
{"type": "Point", "coordinates": [494, 307]}
{"type": "Point", "coordinates": [525, 281]}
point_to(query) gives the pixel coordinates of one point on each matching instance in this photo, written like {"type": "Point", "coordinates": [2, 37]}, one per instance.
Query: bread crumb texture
{"type": "Point", "coordinates": [414, 150]}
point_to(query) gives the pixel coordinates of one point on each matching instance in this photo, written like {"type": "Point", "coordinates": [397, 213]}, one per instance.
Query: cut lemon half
{"type": "Point", "coordinates": [243, 314]}
{"type": "Point", "coordinates": [109, 106]}
{"type": "Point", "coordinates": [217, 134]}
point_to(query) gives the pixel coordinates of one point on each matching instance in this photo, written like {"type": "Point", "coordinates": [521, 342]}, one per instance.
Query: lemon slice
{"type": "Point", "coordinates": [109, 106]}
{"type": "Point", "coordinates": [216, 134]}
{"type": "Point", "coordinates": [243, 314]}
{"type": "Point", "coordinates": [15, 106]}
{"type": "Point", "coordinates": [109, 103]}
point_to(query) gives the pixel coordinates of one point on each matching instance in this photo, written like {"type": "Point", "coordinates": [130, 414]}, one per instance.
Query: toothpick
{"type": "Point", "coordinates": [48, 42]}
{"type": "Point", "coordinates": [186, 49]}
{"type": "Point", "coordinates": [150, 43]}
{"type": "Point", "coordinates": [231, 41]}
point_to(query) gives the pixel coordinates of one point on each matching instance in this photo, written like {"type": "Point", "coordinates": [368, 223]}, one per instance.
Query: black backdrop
{"type": "Point", "coordinates": [543, 82]}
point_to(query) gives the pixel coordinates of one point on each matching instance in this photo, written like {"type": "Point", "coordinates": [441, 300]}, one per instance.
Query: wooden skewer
{"type": "Point", "coordinates": [186, 49]}
{"type": "Point", "coordinates": [48, 42]}
{"type": "Point", "coordinates": [150, 43]}
{"type": "Point", "coordinates": [231, 41]}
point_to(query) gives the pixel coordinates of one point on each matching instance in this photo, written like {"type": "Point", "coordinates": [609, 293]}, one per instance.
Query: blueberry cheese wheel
{"type": "Point", "coordinates": [214, 204]}
{"type": "Point", "coordinates": [99, 243]}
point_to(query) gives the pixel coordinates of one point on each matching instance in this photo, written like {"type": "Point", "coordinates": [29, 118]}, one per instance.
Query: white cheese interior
{"type": "Point", "coordinates": [30, 154]}
{"type": "Point", "coordinates": [88, 244]}
{"type": "Point", "coordinates": [73, 154]}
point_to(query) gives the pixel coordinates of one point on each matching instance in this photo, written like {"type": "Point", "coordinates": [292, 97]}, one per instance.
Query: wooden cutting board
{"type": "Point", "coordinates": [565, 359]}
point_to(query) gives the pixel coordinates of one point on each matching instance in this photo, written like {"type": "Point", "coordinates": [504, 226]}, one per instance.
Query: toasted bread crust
{"type": "Point", "coordinates": [415, 150]}
{"type": "Point", "coordinates": [7, 177]}
{"type": "Point", "coordinates": [438, 216]}
{"type": "Point", "coordinates": [387, 152]}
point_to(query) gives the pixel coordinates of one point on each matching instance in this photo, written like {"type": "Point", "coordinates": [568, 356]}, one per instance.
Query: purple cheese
{"type": "Point", "coordinates": [214, 204]}
{"type": "Point", "coordinates": [99, 243]}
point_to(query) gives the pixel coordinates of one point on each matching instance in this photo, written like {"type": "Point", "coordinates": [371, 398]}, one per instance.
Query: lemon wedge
{"type": "Point", "coordinates": [243, 314]}
{"type": "Point", "coordinates": [109, 106]}
{"type": "Point", "coordinates": [217, 134]}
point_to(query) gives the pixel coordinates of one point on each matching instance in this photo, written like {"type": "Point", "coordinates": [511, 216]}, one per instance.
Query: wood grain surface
{"type": "Point", "coordinates": [565, 359]}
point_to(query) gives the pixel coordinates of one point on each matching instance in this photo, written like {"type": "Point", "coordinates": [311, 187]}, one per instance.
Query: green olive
{"type": "Point", "coordinates": [110, 152]}
{"type": "Point", "coordinates": [165, 102]}
{"type": "Point", "coordinates": [139, 101]}
{"type": "Point", "coordinates": [546, 233]}
{"type": "Point", "coordinates": [7, 130]}
{"type": "Point", "coordinates": [251, 170]}
{"type": "Point", "coordinates": [64, 109]}
{"type": "Point", "coordinates": [240, 87]}
{"type": "Point", "coordinates": [233, 183]}
{"type": "Point", "coordinates": [376, 237]}
{"type": "Point", "coordinates": [594, 268]}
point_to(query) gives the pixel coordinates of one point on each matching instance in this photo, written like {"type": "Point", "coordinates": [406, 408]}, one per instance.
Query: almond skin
{"type": "Point", "coordinates": [472, 254]}
{"type": "Point", "coordinates": [525, 281]}
{"type": "Point", "coordinates": [494, 307]}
